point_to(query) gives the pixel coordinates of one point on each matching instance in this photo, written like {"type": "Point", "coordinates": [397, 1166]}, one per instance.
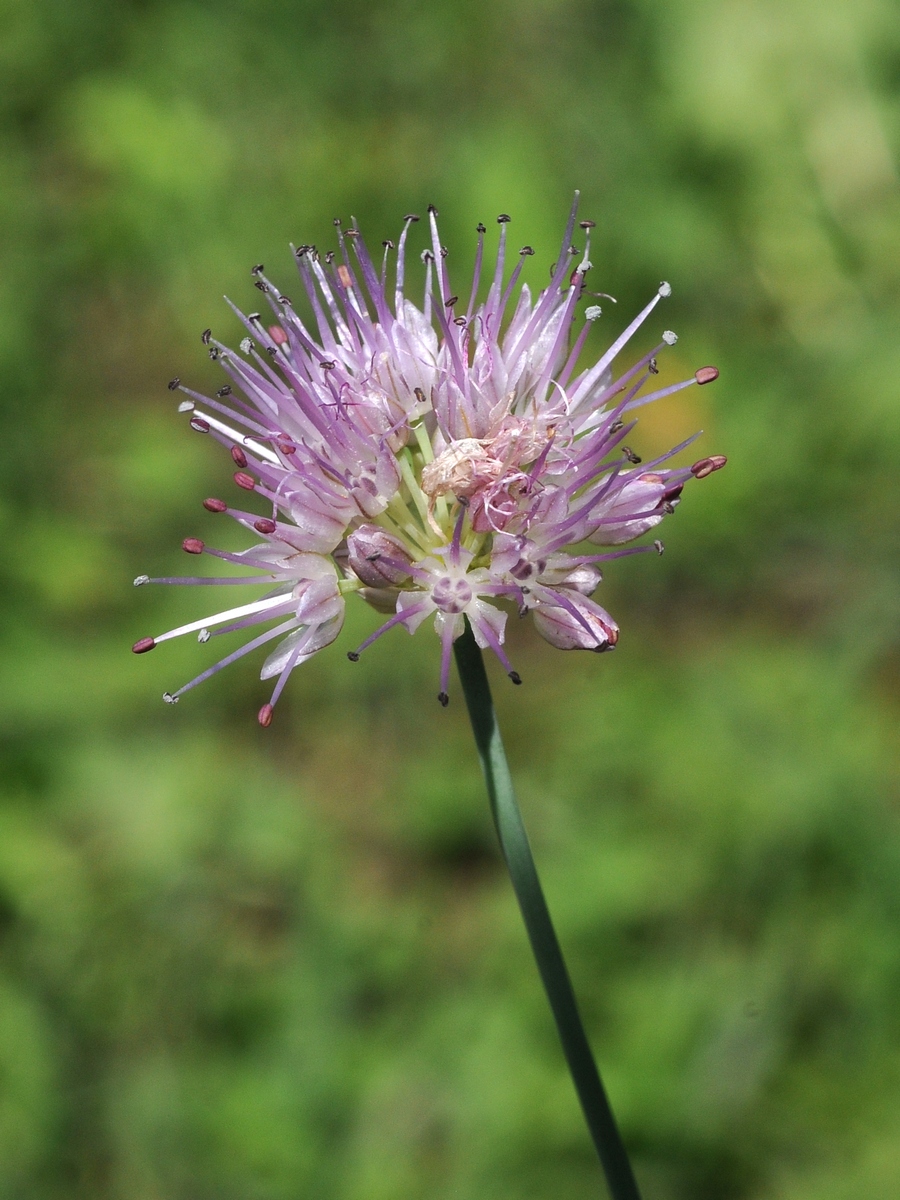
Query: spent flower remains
{"type": "Point", "coordinates": [444, 462]}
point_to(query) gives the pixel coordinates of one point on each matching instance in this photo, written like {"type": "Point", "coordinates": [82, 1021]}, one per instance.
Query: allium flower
{"type": "Point", "coordinates": [446, 462]}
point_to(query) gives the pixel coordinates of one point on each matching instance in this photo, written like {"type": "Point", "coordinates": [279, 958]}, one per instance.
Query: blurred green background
{"type": "Point", "coordinates": [258, 965]}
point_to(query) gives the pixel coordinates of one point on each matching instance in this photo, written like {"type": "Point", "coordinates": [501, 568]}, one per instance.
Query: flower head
{"type": "Point", "coordinates": [446, 462]}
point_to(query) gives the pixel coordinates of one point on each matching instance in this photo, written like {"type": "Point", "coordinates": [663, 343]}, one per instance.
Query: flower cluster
{"type": "Point", "coordinates": [438, 461]}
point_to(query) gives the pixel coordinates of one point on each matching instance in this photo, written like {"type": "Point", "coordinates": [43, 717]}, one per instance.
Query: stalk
{"type": "Point", "coordinates": [544, 943]}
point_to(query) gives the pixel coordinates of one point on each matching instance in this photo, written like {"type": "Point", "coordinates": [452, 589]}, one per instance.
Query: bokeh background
{"type": "Point", "coordinates": [257, 965]}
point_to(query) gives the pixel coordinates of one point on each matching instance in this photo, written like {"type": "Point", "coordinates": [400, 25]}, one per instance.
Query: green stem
{"type": "Point", "coordinates": [544, 943]}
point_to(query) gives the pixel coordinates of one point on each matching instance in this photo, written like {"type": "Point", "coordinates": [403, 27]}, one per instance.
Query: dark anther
{"type": "Point", "coordinates": [253, 316]}
{"type": "Point", "coordinates": [262, 285]}
{"type": "Point", "coordinates": [667, 507]}
{"type": "Point", "coordinates": [462, 501]}
{"type": "Point", "coordinates": [707, 374]}
{"type": "Point", "coordinates": [239, 456]}
{"type": "Point", "coordinates": [459, 321]}
{"type": "Point", "coordinates": [631, 456]}
{"type": "Point", "coordinates": [515, 677]}
{"type": "Point", "coordinates": [173, 384]}
{"type": "Point", "coordinates": [658, 546]}
{"type": "Point", "coordinates": [273, 350]}
{"type": "Point", "coordinates": [652, 367]}
{"type": "Point", "coordinates": [481, 227]}
{"type": "Point", "coordinates": [388, 244]}
{"type": "Point", "coordinates": [449, 303]}
{"type": "Point", "coordinates": [353, 654]}
{"type": "Point", "coordinates": [258, 269]}
{"type": "Point", "coordinates": [352, 233]}
{"type": "Point", "coordinates": [588, 224]}
{"type": "Point", "coordinates": [329, 257]}
{"type": "Point", "coordinates": [328, 365]}
{"type": "Point", "coordinates": [504, 219]}
{"type": "Point", "coordinates": [225, 390]}
{"type": "Point", "coordinates": [264, 525]}
{"type": "Point", "coordinates": [205, 336]}
{"type": "Point", "coordinates": [143, 645]}
{"type": "Point", "coordinates": [432, 209]}
{"type": "Point", "coordinates": [616, 426]}
{"type": "Point", "coordinates": [213, 505]}
{"type": "Point", "coordinates": [285, 300]}
{"type": "Point", "coordinates": [412, 217]}
{"type": "Point", "coordinates": [199, 425]}
{"type": "Point", "coordinates": [527, 250]}
{"type": "Point", "coordinates": [247, 482]}
{"type": "Point", "coordinates": [673, 493]}
{"type": "Point", "coordinates": [443, 699]}
{"type": "Point", "coordinates": [419, 395]}
{"type": "Point", "coordinates": [444, 251]}
{"type": "Point", "coordinates": [301, 251]}
{"type": "Point", "coordinates": [336, 221]}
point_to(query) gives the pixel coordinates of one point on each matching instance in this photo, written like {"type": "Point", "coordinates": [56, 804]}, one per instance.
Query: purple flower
{"type": "Point", "coordinates": [440, 462]}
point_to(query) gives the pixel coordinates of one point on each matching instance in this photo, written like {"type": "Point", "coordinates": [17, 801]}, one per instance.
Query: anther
{"type": "Point", "coordinates": [504, 219]}
{"type": "Point", "coordinates": [214, 352]}
{"type": "Point", "coordinates": [452, 300]}
{"type": "Point", "coordinates": [515, 677]}
{"type": "Point", "coordinates": [665, 289]}
{"type": "Point", "coordinates": [278, 335]}
{"type": "Point", "coordinates": [329, 257]}
{"type": "Point", "coordinates": [631, 456]}
{"type": "Point", "coordinates": [658, 546]}
{"type": "Point", "coordinates": [616, 426]}
{"type": "Point", "coordinates": [225, 390]}
{"type": "Point", "coordinates": [169, 698]}
{"type": "Point", "coordinates": [352, 654]}
{"type": "Point", "coordinates": [262, 285]}
{"type": "Point", "coordinates": [592, 312]}
{"type": "Point", "coordinates": [253, 316]}
{"type": "Point", "coordinates": [203, 636]}
{"type": "Point", "coordinates": [527, 251]}
{"type": "Point", "coordinates": [142, 646]}
{"type": "Point", "coordinates": [344, 276]}
{"type": "Point", "coordinates": [707, 374]}
{"type": "Point", "coordinates": [213, 505]}
{"type": "Point", "coordinates": [481, 227]}
{"type": "Point", "coordinates": [192, 546]}
{"type": "Point", "coordinates": [141, 580]}
{"type": "Point", "coordinates": [205, 336]}
{"type": "Point", "coordinates": [239, 456]}
{"type": "Point", "coordinates": [173, 384]}
{"type": "Point", "coordinates": [419, 395]}
{"type": "Point", "coordinates": [258, 269]}
{"type": "Point", "coordinates": [669, 337]}
{"type": "Point", "coordinates": [432, 210]}
{"type": "Point", "coordinates": [443, 699]}
{"type": "Point", "coordinates": [460, 321]}
{"type": "Point", "coordinates": [199, 425]}
{"type": "Point", "coordinates": [328, 365]}
{"type": "Point", "coordinates": [412, 217]}
{"type": "Point", "coordinates": [186, 406]}
{"type": "Point", "coordinates": [653, 367]}
{"type": "Point", "coordinates": [706, 466]}
{"type": "Point", "coordinates": [264, 525]}
{"type": "Point", "coordinates": [388, 244]}
{"type": "Point", "coordinates": [246, 345]}
{"type": "Point", "coordinates": [265, 715]}
{"type": "Point", "coordinates": [247, 482]}
{"type": "Point", "coordinates": [588, 224]}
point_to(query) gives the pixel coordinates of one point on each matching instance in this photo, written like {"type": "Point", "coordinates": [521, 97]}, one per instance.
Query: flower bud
{"type": "Point", "coordinates": [377, 558]}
